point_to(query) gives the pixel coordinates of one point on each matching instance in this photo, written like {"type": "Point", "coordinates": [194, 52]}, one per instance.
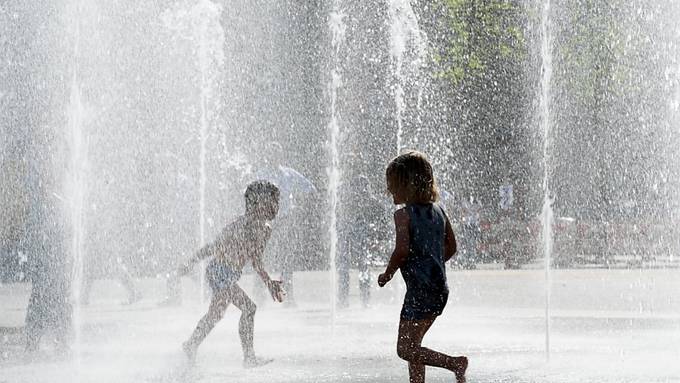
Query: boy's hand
{"type": "Point", "coordinates": [276, 290]}
{"type": "Point", "coordinates": [383, 279]}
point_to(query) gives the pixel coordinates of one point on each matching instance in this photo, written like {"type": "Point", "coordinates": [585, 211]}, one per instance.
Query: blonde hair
{"type": "Point", "coordinates": [411, 175]}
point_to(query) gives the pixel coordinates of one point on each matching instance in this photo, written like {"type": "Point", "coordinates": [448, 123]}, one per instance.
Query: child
{"type": "Point", "coordinates": [425, 241]}
{"type": "Point", "coordinates": [242, 241]}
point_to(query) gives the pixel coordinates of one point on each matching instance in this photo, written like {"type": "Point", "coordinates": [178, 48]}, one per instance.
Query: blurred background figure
{"type": "Point", "coordinates": [49, 311]}
{"type": "Point", "coordinates": [470, 235]}
{"type": "Point", "coordinates": [119, 272]}
{"type": "Point", "coordinates": [360, 237]}
{"type": "Point", "coordinates": [117, 243]}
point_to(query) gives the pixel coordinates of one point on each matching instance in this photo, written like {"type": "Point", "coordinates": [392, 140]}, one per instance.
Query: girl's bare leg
{"type": "Point", "coordinates": [218, 305]}
{"type": "Point", "coordinates": [411, 335]}
{"type": "Point", "coordinates": [409, 348]}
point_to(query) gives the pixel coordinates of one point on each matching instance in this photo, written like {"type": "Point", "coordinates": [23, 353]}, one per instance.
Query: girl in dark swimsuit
{"type": "Point", "coordinates": [425, 241]}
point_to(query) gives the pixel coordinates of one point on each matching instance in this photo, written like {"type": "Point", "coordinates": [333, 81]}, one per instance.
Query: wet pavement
{"type": "Point", "coordinates": [606, 326]}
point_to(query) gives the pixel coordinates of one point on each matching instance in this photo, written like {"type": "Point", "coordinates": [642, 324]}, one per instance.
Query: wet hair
{"type": "Point", "coordinates": [410, 175]}
{"type": "Point", "coordinates": [258, 191]}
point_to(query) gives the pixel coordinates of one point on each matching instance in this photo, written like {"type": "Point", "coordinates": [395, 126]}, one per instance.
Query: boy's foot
{"type": "Point", "coordinates": [459, 368]}
{"type": "Point", "coordinates": [254, 361]}
{"type": "Point", "coordinates": [189, 351]}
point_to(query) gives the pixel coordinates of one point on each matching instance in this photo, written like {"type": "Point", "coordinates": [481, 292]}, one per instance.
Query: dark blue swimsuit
{"type": "Point", "coordinates": [220, 276]}
{"type": "Point", "coordinates": [244, 237]}
{"type": "Point", "coordinates": [424, 271]}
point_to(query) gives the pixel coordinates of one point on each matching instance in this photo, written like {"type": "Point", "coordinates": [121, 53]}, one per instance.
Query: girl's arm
{"type": "Point", "coordinates": [449, 241]}
{"type": "Point", "coordinates": [401, 248]}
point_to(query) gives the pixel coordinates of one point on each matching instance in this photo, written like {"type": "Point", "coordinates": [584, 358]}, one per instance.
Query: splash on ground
{"type": "Point", "coordinates": [607, 326]}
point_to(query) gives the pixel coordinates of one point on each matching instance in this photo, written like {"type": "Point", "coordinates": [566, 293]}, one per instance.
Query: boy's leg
{"type": "Point", "coordinates": [218, 305]}
{"type": "Point", "coordinates": [246, 324]}
{"type": "Point", "coordinates": [409, 348]}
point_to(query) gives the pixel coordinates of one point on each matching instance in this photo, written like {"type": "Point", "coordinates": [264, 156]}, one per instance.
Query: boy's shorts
{"type": "Point", "coordinates": [220, 276]}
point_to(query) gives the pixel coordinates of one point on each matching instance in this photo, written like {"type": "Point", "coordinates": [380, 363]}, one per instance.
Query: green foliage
{"type": "Point", "coordinates": [587, 49]}
{"type": "Point", "coordinates": [606, 50]}
{"type": "Point", "coordinates": [483, 34]}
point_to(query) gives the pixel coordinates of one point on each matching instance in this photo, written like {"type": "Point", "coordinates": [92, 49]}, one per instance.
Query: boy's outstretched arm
{"type": "Point", "coordinates": [450, 247]}
{"type": "Point", "coordinates": [400, 253]}
{"type": "Point", "coordinates": [206, 251]}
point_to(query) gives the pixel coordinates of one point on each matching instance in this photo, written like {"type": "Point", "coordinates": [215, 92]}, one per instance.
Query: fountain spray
{"type": "Point", "coordinates": [404, 30]}
{"type": "Point", "coordinates": [76, 181]}
{"type": "Point", "coordinates": [337, 28]}
{"type": "Point", "coordinates": [547, 210]}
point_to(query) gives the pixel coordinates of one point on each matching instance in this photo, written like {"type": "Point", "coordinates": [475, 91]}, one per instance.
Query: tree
{"type": "Point", "coordinates": [609, 108]}
{"type": "Point", "coordinates": [482, 50]}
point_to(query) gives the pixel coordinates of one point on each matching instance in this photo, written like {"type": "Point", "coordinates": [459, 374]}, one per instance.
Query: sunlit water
{"type": "Point", "coordinates": [76, 182]}
{"type": "Point", "coordinates": [154, 163]}
{"type": "Point", "coordinates": [199, 25]}
{"type": "Point", "coordinates": [407, 50]}
{"type": "Point", "coordinates": [337, 31]}
{"type": "Point", "coordinates": [547, 210]}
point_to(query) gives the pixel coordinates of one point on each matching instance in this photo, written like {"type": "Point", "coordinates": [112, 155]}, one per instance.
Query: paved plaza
{"type": "Point", "coordinates": [607, 326]}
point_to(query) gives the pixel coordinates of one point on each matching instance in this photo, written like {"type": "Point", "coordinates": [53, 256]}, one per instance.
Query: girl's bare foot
{"type": "Point", "coordinates": [459, 368]}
